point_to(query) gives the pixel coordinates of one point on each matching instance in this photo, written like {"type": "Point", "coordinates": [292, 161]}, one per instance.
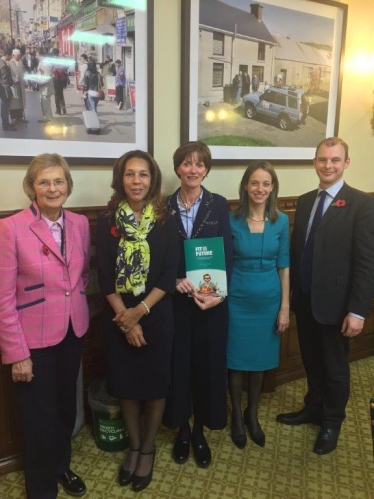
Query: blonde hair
{"type": "Point", "coordinates": [40, 163]}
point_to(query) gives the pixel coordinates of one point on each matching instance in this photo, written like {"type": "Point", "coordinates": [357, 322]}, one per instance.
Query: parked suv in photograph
{"type": "Point", "coordinates": [280, 104]}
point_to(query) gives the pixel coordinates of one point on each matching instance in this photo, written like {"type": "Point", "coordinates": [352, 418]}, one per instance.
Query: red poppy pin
{"type": "Point", "coordinates": [45, 250]}
{"type": "Point", "coordinates": [114, 231]}
{"type": "Point", "coordinates": [339, 203]}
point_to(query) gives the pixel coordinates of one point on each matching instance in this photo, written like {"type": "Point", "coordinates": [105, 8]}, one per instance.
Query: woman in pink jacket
{"type": "Point", "coordinates": [44, 262]}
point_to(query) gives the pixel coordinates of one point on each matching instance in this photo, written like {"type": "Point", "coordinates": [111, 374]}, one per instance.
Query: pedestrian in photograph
{"type": "Point", "coordinates": [137, 255]}
{"type": "Point", "coordinates": [332, 281]}
{"type": "Point", "coordinates": [107, 67]}
{"type": "Point", "coordinates": [6, 82]}
{"type": "Point", "coordinates": [120, 83]}
{"type": "Point", "coordinates": [258, 295]}
{"type": "Point", "coordinates": [18, 102]}
{"type": "Point", "coordinates": [60, 82]}
{"type": "Point", "coordinates": [46, 87]}
{"type": "Point", "coordinates": [30, 65]}
{"type": "Point", "coordinates": [246, 83]}
{"type": "Point", "coordinates": [82, 67]}
{"type": "Point", "coordinates": [255, 83]}
{"type": "Point", "coordinates": [44, 264]}
{"type": "Point", "coordinates": [92, 81]}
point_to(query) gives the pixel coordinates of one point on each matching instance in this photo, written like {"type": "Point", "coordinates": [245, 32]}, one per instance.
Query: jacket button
{"type": "Point", "coordinates": [67, 293]}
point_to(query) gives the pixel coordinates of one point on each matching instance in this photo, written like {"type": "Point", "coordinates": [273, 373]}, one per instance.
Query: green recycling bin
{"type": "Point", "coordinates": [108, 426]}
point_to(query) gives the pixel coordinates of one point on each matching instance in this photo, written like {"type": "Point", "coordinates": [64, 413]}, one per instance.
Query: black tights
{"type": "Point", "coordinates": [154, 410]}
{"type": "Point", "coordinates": [254, 383]}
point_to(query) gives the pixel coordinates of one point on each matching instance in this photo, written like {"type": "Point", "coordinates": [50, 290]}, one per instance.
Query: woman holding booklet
{"type": "Point", "coordinates": [199, 351]}
{"type": "Point", "coordinates": [258, 294]}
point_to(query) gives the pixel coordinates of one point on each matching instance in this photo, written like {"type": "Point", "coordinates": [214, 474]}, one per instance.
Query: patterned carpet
{"type": "Point", "coordinates": [285, 469]}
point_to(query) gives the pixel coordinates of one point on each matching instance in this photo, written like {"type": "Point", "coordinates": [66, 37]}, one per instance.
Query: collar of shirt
{"type": "Point", "coordinates": [188, 216]}
{"type": "Point", "coordinates": [331, 193]}
{"type": "Point", "coordinates": [55, 228]}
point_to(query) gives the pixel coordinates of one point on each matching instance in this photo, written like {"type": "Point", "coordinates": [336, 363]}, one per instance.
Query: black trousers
{"type": "Point", "coordinates": [324, 351]}
{"type": "Point", "coordinates": [47, 407]}
{"type": "Point", "coordinates": [59, 98]}
{"type": "Point", "coordinates": [119, 94]}
{"type": "Point", "coordinates": [199, 374]}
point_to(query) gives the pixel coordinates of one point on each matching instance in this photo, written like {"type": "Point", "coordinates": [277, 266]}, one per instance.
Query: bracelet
{"type": "Point", "coordinates": [147, 309]}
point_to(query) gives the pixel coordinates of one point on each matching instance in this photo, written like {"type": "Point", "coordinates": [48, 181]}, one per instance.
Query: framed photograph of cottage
{"type": "Point", "coordinates": [261, 80]}
{"type": "Point", "coordinates": [81, 77]}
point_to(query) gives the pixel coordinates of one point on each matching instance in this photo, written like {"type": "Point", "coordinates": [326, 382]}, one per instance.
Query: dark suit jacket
{"type": "Point", "coordinates": [343, 260]}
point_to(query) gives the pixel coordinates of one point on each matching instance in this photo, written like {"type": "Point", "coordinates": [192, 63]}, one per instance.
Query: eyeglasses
{"type": "Point", "coordinates": [46, 184]}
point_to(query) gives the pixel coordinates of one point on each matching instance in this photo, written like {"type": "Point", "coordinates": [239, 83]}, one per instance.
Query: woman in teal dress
{"type": "Point", "coordinates": [258, 294]}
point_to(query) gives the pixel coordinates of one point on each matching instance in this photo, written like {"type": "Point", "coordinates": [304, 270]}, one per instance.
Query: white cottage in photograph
{"type": "Point", "coordinates": [232, 42]}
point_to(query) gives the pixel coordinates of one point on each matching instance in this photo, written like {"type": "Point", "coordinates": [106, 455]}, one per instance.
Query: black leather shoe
{"type": "Point", "coordinates": [327, 440]}
{"type": "Point", "coordinates": [181, 449]}
{"type": "Point", "coordinates": [141, 482]}
{"type": "Point", "coordinates": [297, 418]}
{"type": "Point", "coordinates": [125, 476]}
{"type": "Point", "coordinates": [201, 452]}
{"type": "Point", "coordinates": [72, 484]}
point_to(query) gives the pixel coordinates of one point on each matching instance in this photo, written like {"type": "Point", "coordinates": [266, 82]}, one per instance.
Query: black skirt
{"type": "Point", "coordinates": [141, 372]}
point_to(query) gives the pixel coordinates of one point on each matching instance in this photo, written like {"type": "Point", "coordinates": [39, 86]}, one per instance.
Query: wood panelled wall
{"type": "Point", "coordinates": [290, 368]}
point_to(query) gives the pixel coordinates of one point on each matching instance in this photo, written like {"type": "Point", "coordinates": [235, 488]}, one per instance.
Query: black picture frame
{"type": "Point", "coordinates": [198, 28]}
{"type": "Point", "coordinates": [144, 134]}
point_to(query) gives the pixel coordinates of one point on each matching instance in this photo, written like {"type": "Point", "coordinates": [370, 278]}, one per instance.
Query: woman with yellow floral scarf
{"type": "Point", "coordinates": [137, 254]}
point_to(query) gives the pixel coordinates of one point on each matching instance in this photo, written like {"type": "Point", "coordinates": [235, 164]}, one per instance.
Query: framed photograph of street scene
{"type": "Point", "coordinates": [81, 79]}
{"type": "Point", "coordinates": [261, 80]}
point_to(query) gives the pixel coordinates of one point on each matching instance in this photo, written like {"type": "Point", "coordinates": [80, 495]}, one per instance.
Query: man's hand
{"type": "Point", "coordinates": [22, 370]}
{"type": "Point", "coordinates": [352, 326]}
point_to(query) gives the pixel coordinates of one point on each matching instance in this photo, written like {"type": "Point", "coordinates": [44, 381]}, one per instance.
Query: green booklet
{"type": "Point", "coordinates": [205, 265]}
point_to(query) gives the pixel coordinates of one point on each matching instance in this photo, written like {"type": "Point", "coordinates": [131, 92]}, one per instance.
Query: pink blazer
{"type": "Point", "coordinates": [40, 291]}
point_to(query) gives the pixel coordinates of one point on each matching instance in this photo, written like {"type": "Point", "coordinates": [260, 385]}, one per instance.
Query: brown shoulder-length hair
{"type": "Point", "coordinates": [154, 195]}
{"type": "Point", "coordinates": [242, 211]}
{"type": "Point", "coordinates": [185, 151]}
{"type": "Point", "coordinates": [40, 163]}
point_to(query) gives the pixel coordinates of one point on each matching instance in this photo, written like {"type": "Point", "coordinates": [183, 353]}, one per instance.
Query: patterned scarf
{"type": "Point", "coordinates": [133, 256]}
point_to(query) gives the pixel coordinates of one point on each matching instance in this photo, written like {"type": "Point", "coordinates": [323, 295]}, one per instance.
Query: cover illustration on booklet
{"type": "Point", "coordinates": [205, 265]}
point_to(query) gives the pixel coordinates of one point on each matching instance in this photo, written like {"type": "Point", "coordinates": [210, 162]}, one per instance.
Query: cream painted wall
{"type": "Point", "coordinates": [92, 185]}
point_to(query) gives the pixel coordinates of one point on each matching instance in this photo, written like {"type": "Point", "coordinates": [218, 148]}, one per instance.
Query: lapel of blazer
{"type": "Point", "coordinates": [203, 214]}
{"type": "Point", "coordinates": [332, 211]}
{"type": "Point", "coordinates": [305, 210]}
{"type": "Point", "coordinates": [41, 230]}
{"type": "Point", "coordinates": [69, 230]}
{"type": "Point", "coordinates": [172, 205]}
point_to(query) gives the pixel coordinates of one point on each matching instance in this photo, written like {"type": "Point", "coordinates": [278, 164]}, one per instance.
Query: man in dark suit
{"type": "Point", "coordinates": [332, 279]}
{"type": "Point", "coordinates": [6, 82]}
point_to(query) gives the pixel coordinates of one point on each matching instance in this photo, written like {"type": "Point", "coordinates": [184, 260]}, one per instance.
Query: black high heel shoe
{"type": "Point", "coordinates": [238, 439]}
{"type": "Point", "coordinates": [258, 437]}
{"type": "Point", "coordinates": [141, 482]}
{"type": "Point", "coordinates": [125, 476]}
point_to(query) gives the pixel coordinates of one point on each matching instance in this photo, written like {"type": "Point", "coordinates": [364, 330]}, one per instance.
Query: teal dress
{"type": "Point", "coordinates": [255, 294]}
